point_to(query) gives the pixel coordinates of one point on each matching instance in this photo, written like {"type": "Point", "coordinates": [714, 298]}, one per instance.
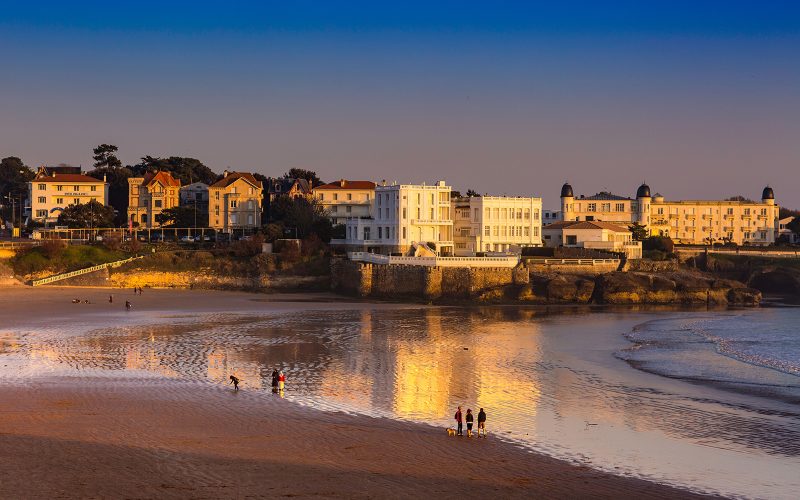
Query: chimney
{"type": "Point", "coordinates": [225, 173]}
{"type": "Point", "coordinates": [341, 183]}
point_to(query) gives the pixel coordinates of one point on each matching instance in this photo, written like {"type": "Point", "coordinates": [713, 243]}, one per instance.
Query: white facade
{"type": "Point", "coordinates": [50, 194]}
{"type": "Point", "coordinates": [496, 224]}
{"type": "Point", "coordinates": [404, 215]}
{"type": "Point", "coordinates": [344, 199]}
{"type": "Point", "coordinates": [783, 230]}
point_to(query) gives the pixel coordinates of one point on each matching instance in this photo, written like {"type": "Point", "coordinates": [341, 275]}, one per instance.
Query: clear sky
{"type": "Point", "coordinates": [699, 98]}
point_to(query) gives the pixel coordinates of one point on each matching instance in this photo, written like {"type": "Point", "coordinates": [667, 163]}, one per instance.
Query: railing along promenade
{"type": "Point", "coordinates": [569, 262]}
{"type": "Point", "coordinates": [79, 272]}
{"type": "Point", "coordinates": [509, 261]}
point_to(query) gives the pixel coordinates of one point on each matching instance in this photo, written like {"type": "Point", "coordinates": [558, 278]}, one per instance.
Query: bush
{"type": "Point", "coordinates": [661, 243]}
{"type": "Point", "coordinates": [247, 248]}
{"type": "Point", "coordinates": [53, 249]}
{"type": "Point", "coordinates": [654, 254]}
{"type": "Point", "coordinates": [112, 241]}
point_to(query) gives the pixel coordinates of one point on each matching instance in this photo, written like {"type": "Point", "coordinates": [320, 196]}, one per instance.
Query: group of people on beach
{"type": "Point", "coordinates": [278, 381]}
{"type": "Point", "coordinates": [470, 419]}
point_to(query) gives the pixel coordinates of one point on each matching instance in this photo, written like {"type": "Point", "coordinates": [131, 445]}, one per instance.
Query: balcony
{"type": "Point", "coordinates": [431, 222]}
{"type": "Point", "coordinates": [707, 216]}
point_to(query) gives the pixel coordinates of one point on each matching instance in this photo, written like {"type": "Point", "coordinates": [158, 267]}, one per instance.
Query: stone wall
{"type": "Point", "coordinates": [595, 270]}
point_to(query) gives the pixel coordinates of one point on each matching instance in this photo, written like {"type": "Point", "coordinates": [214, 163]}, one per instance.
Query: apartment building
{"type": "Point", "coordinates": [685, 221]}
{"type": "Point", "coordinates": [343, 199]}
{"type": "Point", "coordinates": [149, 195]}
{"type": "Point", "coordinates": [496, 224]}
{"type": "Point", "coordinates": [50, 192]}
{"type": "Point", "coordinates": [404, 216]}
{"type": "Point", "coordinates": [235, 202]}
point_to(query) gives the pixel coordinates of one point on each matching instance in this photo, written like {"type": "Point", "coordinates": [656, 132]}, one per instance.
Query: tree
{"type": "Point", "coordinates": [117, 179]}
{"type": "Point", "coordinates": [794, 225]}
{"type": "Point", "coordinates": [639, 231]}
{"type": "Point", "coordinates": [182, 216]}
{"type": "Point", "coordinates": [471, 193]}
{"type": "Point", "coordinates": [299, 173]}
{"type": "Point", "coordinates": [105, 156]}
{"type": "Point", "coordinates": [455, 194]}
{"type": "Point", "coordinates": [739, 197]}
{"type": "Point", "coordinates": [14, 177]}
{"type": "Point", "coordinates": [785, 212]}
{"type": "Point", "coordinates": [187, 170]}
{"type": "Point", "coordinates": [302, 217]}
{"type": "Point", "coordinates": [86, 215]}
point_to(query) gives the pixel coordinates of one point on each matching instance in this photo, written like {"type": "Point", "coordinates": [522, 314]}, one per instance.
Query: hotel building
{"type": "Point", "coordinates": [403, 215]}
{"type": "Point", "coordinates": [235, 202]}
{"type": "Point", "coordinates": [149, 195]}
{"type": "Point", "coordinates": [686, 221]}
{"type": "Point", "coordinates": [343, 199]}
{"type": "Point", "coordinates": [496, 224]}
{"type": "Point", "coordinates": [50, 193]}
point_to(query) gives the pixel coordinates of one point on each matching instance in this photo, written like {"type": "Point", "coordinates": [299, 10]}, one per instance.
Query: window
{"type": "Point", "coordinates": [730, 211]}
{"type": "Point", "coordinates": [349, 196]}
{"type": "Point", "coordinates": [234, 218]}
{"type": "Point", "coordinates": [250, 191]}
{"type": "Point", "coordinates": [432, 215]}
{"type": "Point", "coordinates": [250, 219]}
{"type": "Point", "coordinates": [348, 209]}
{"type": "Point", "coordinates": [144, 218]}
{"type": "Point", "coordinates": [527, 214]}
{"type": "Point", "coordinates": [366, 233]}
{"type": "Point", "coordinates": [605, 207]}
{"type": "Point", "coordinates": [592, 207]}
{"type": "Point", "coordinates": [216, 195]}
{"type": "Point", "coordinates": [76, 188]}
{"type": "Point", "coordinates": [496, 231]}
{"type": "Point", "coordinates": [487, 231]}
{"type": "Point", "coordinates": [572, 239]}
{"type": "Point", "coordinates": [336, 198]}
{"type": "Point", "coordinates": [380, 233]}
{"type": "Point", "coordinates": [536, 230]}
{"type": "Point", "coordinates": [535, 214]}
{"type": "Point", "coordinates": [764, 211]}
{"type": "Point", "coordinates": [404, 213]}
{"type": "Point", "coordinates": [60, 201]}
{"type": "Point", "coordinates": [233, 190]}
{"type": "Point", "coordinates": [59, 188]}
{"type": "Point", "coordinates": [93, 188]}
{"type": "Point", "coordinates": [233, 203]}
{"type": "Point", "coordinates": [419, 213]}
{"type": "Point", "coordinates": [660, 210]}
{"type": "Point", "coordinates": [747, 211]}
{"type": "Point", "coordinates": [42, 199]}
{"type": "Point", "coordinates": [41, 213]}
{"type": "Point", "coordinates": [76, 201]}
{"type": "Point", "coordinates": [42, 187]}
{"type": "Point", "coordinates": [250, 205]}
{"type": "Point", "coordinates": [157, 203]}
{"type": "Point", "coordinates": [527, 231]}
{"type": "Point", "coordinates": [404, 233]}
{"type": "Point", "coordinates": [216, 210]}
{"type": "Point", "coordinates": [487, 213]}
{"type": "Point", "coordinates": [334, 209]}
{"type": "Point", "coordinates": [321, 196]}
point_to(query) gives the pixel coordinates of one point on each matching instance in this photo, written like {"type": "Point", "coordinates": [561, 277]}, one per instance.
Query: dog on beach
{"type": "Point", "coordinates": [451, 432]}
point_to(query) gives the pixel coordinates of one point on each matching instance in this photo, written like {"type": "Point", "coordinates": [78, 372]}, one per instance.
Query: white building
{"type": "Point", "coordinates": [403, 215]}
{"type": "Point", "coordinates": [50, 193]}
{"type": "Point", "coordinates": [496, 224]}
{"type": "Point", "coordinates": [594, 235]}
{"type": "Point", "coordinates": [784, 231]}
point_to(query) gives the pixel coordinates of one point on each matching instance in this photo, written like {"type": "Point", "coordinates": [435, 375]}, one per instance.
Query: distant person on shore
{"type": "Point", "coordinates": [469, 422]}
{"type": "Point", "coordinates": [459, 423]}
{"type": "Point", "coordinates": [281, 381]}
{"type": "Point", "coordinates": [481, 423]}
{"type": "Point", "coordinates": [110, 299]}
{"type": "Point", "coordinates": [235, 382]}
{"type": "Point", "coordinates": [128, 305]}
{"type": "Point", "coordinates": [275, 380]}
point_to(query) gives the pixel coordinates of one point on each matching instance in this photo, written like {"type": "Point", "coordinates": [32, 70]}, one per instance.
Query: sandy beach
{"type": "Point", "coordinates": [85, 436]}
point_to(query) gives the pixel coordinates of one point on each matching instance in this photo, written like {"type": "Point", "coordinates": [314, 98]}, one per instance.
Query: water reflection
{"type": "Point", "coordinates": [420, 364]}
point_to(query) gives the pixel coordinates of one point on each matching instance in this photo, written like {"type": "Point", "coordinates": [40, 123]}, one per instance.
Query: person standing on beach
{"type": "Point", "coordinates": [235, 382]}
{"type": "Point", "coordinates": [469, 422]}
{"type": "Point", "coordinates": [110, 299]}
{"type": "Point", "coordinates": [275, 380]}
{"type": "Point", "coordinates": [459, 423]}
{"type": "Point", "coordinates": [281, 381]}
{"type": "Point", "coordinates": [128, 305]}
{"type": "Point", "coordinates": [481, 423]}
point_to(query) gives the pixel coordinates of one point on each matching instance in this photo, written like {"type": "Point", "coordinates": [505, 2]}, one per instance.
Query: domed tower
{"type": "Point", "coordinates": [567, 202]}
{"type": "Point", "coordinates": [767, 196]}
{"type": "Point", "coordinates": [643, 197]}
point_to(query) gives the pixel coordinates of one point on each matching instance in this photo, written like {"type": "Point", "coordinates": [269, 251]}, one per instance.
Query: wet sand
{"type": "Point", "coordinates": [78, 437]}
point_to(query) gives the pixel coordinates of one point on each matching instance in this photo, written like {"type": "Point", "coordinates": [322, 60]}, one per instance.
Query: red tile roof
{"type": "Point", "coordinates": [233, 176]}
{"type": "Point", "coordinates": [67, 178]}
{"type": "Point", "coordinates": [165, 178]}
{"type": "Point", "coordinates": [345, 184]}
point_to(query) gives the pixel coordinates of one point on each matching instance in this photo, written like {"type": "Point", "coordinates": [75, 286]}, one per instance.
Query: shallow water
{"type": "Point", "coordinates": [548, 382]}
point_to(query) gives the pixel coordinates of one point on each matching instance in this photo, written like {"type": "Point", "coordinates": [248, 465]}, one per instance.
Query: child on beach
{"type": "Point", "coordinates": [281, 381]}
{"type": "Point", "coordinates": [235, 382]}
{"type": "Point", "coordinates": [481, 423]}
{"type": "Point", "coordinates": [469, 422]}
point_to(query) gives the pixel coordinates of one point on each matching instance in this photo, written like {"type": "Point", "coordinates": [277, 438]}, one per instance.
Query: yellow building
{"type": "Point", "coordinates": [235, 202]}
{"type": "Point", "coordinates": [343, 199]}
{"type": "Point", "coordinates": [685, 221]}
{"type": "Point", "coordinates": [51, 192]}
{"type": "Point", "coordinates": [149, 195]}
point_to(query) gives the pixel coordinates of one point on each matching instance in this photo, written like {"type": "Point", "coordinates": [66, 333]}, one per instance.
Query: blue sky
{"type": "Point", "coordinates": [700, 99]}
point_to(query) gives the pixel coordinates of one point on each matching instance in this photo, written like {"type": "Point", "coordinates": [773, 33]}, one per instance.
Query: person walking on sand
{"type": "Point", "coordinates": [110, 299]}
{"type": "Point", "coordinates": [281, 381]}
{"type": "Point", "coordinates": [469, 422]}
{"type": "Point", "coordinates": [459, 423]}
{"type": "Point", "coordinates": [235, 382]}
{"type": "Point", "coordinates": [481, 423]}
{"type": "Point", "coordinates": [128, 305]}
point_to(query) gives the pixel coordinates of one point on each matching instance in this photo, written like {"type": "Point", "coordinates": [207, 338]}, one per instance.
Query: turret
{"type": "Point", "coordinates": [567, 202]}
{"type": "Point", "coordinates": [643, 197]}
{"type": "Point", "coordinates": [768, 196]}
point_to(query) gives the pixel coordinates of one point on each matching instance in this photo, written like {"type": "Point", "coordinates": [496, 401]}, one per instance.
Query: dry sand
{"type": "Point", "coordinates": [153, 438]}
